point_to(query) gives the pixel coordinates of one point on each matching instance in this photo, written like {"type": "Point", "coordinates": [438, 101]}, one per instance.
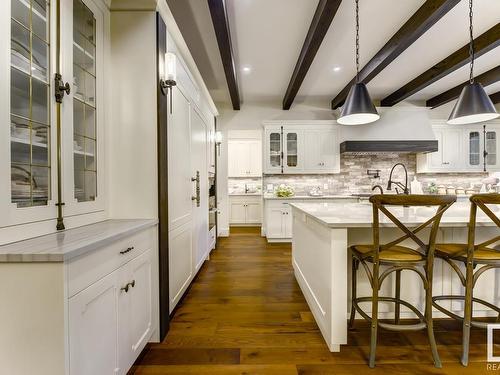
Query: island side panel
{"type": "Point", "coordinates": [319, 257]}
{"type": "Point", "coordinates": [32, 338]}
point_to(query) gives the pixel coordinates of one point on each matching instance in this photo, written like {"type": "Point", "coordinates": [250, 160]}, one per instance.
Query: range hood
{"type": "Point", "coordinates": [392, 146]}
{"type": "Point", "coordinates": [400, 130]}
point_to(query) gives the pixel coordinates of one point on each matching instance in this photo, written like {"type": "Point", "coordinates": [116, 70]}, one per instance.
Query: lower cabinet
{"type": "Point", "coordinates": [245, 210]}
{"type": "Point", "coordinates": [111, 321]}
{"type": "Point", "coordinates": [88, 307]}
{"type": "Point", "coordinates": [278, 220]}
{"type": "Point", "coordinates": [93, 327]}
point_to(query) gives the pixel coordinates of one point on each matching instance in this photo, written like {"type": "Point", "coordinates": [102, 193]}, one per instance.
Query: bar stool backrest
{"type": "Point", "coordinates": [379, 203]}
{"type": "Point", "coordinates": [481, 200]}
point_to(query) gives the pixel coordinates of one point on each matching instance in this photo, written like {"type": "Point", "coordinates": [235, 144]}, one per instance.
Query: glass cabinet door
{"type": "Point", "coordinates": [480, 141]}
{"type": "Point", "coordinates": [275, 149]}
{"type": "Point", "coordinates": [291, 149]}
{"type": "Point", "coordinates": [491, 148]}
{"type": "Point", "coordinates": [474, 148]}
{"type": "Point", "coordinates": [30, 103]}
{"type": "Point", "coordinates": [84, 103]}
{"type": "Point", "coordinates": [84, 70]}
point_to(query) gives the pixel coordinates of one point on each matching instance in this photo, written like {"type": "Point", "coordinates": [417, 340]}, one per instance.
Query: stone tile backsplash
{"type": "Point", "coordinates": [237, 185]}
{"type": "Point", "coordinates": [353, 178]}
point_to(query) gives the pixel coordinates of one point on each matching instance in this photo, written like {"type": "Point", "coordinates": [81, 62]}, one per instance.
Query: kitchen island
{"type": "Point", "coordinates": [322, 233]}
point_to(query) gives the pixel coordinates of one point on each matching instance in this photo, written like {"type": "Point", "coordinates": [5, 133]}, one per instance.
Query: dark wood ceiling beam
{"type": "Point", "coordinates": [323, 17]}
{"type": "Point", "coordinates": [495, 98]}
{"type": "Point", "coordinates": [482, 44]}
{"type": "Point", "coordinates": [221, 27]}
{"type": "Point", "coordinates": [421, 21]}
{"type": "Point", "coordinates": [487, 78]}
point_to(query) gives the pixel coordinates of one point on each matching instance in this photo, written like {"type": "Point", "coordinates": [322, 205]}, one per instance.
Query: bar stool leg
{"type": "Point", "coordinates": [398, 296]}
{"type": "Point", "coordinates": [355, 264]}
{"type": "Point", "coordinates": [430, 325]}
{"type": "Point", "coordinates": [467, 314]}
{"type": "Point", "coordinates": [374, 322]}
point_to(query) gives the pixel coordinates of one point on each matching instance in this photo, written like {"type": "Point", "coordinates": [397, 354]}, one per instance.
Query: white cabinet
{"type": "Point", "coordinates": [461, 149]}
{"type": "Point", "coordinates": [293, 150]}
{"type": "Point", "coordinates": [93, 327]}
{"type": "Point", "coordinates": [301, 148]}
{"type": "Point", "coordinates": [244, 158]}
{"type": "Point", "coordinates": [189, 162]}
{"type": "Point", "coordinates": [245, 210]}
{"type": "Point", "coordinates": [28, 146]}
{"type": "Point", "coordinates": [273, 150]}
{"type": "Point", "coordinates": [111, 321]}
{"type": "Point", "coordinates": [322, 150]}
{"type": "Point", "coordinates": [278, 220]}
{"type": "Point", "coordinates": [478, 140]}
{"type": "Point", "coordinates": [137, 311]}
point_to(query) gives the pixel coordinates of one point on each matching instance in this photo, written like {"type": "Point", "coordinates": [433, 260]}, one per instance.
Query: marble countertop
{"type": "Point", "coordinates": [307, 197]}
{"type": "Point", "coordinates": [71, 243]}
{"type": "Point", "coordinates": [258, 194]}
{"type": "Point", "coordinates": [359, 215]}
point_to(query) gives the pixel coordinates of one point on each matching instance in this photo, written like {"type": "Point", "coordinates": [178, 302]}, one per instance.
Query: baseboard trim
{"type": "Point", "coordinates": [224, 232]}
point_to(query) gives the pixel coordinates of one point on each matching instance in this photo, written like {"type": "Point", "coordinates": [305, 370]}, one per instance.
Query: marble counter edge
{"type": "Point", "coordinates": [349, 225]}
{"type": "Point", "coordinates": [308, 197]}
{"type": "Point", "coordinates": [76, 248]}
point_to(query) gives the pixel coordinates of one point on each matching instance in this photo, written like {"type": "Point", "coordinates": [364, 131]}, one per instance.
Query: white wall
{"type": "Point", "coordinates": [132, 130]}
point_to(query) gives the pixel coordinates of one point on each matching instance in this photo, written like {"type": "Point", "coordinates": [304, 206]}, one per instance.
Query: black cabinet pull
{"type": "Point", "coordinates": [127, 250]}
{"type": "Point", "coordinates": [127, 286]}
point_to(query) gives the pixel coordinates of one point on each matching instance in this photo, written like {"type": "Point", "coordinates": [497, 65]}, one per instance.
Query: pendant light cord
{"type": "Point", "coordinates": [357, 40]}
{"type": "Point", "coordinates": [471, 44]}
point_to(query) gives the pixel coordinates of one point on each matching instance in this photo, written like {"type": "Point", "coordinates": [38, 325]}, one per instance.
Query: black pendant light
{"type": "Point", "coordinates": [473, 104]}
{"type": "Point", "coordinates": [358, 108]}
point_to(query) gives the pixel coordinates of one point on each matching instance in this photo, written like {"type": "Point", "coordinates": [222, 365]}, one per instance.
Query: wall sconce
{"type": "Point", "coordinates": [169, 75]}
{"type": "Point", "coordinates": [218, 141]}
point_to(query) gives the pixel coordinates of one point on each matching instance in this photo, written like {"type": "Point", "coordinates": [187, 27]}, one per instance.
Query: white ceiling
{"type": "Point", "coordinates": [267, 36]}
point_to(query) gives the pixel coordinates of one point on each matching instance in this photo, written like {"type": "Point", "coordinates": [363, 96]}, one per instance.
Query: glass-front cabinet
{"type": "Point", "coordinates": [293, 153]}
{"type": "Point", "coordinates": [274, 149]}
{"type": "Point", "coordinates": [479, 140]}
{"type": "Point", "coordinates": [83, 182]}
{"type": "Point", "coordinates": [28, 138]}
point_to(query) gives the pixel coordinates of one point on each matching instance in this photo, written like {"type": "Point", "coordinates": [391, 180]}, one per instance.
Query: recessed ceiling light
{"type": "Point", "coordinates": [336, 69]}
{"type": "Point", "coordinates": [247, 69]}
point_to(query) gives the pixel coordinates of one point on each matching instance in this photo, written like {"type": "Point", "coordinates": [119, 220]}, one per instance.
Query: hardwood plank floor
{"type": "Point", "coordinates": [245, 314]}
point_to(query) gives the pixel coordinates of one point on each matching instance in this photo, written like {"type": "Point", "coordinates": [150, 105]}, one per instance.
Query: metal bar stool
{"type": "Point", "coordinates": [398, 258]}
{"type": "Point", "coordinates": [471, 255]}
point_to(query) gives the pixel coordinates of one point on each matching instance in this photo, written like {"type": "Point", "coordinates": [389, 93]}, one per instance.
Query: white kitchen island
{"type": "Point", "coordinates": [322, 233]}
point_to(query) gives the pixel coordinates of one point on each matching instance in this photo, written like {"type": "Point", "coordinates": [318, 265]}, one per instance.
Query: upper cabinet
{"type": "Point", "coordinates": [83, 177]}
{"type": "Point", "coordinates": [273, 149]}
{"type": "Point", "coordinates": [293, 148]}
{"type": "Point", "coordinates": [461, 149]}
{"type": "Point", "coordinates": [245, 158]}
{"type": "Point", "coordinates": [29, 159]}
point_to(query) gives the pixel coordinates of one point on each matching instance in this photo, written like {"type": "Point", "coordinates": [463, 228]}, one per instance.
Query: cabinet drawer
{"type": "Point", "coordinates": [88, 268]}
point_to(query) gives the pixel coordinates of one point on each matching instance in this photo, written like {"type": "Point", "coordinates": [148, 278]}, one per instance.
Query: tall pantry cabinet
{"type": "Point", "coordinates": [41, 172]}
{"type": "Point", "coordinates": [191, 150]}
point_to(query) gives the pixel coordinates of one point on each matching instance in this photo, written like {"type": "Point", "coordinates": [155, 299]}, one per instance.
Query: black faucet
{"type": "Point", "coordinates": [378, 187]}
{"type": "Point", "coordinates": [405, 186]}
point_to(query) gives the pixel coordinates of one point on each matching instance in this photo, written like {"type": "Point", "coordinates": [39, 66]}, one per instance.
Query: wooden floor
{"type": "Point", "coordinates": [245, 314]}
